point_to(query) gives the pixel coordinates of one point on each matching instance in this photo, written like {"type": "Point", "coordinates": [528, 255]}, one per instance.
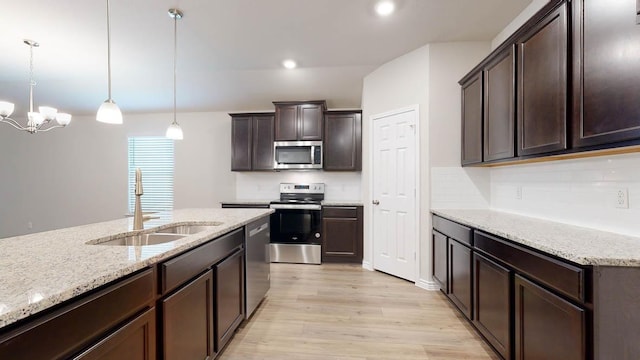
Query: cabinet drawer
{"type": "Point", "coordinates": [340, 211]}
{"type": "Point", "coordinates": [563, 277]}
{"type": "Point", "coordinates": [453, 230]}
{"type": "Point", "coordinates": [183, 267]}
{"type": "Point", "coordinates": [72, 327]}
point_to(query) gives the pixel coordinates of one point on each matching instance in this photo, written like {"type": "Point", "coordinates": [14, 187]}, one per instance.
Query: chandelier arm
{"type": "Point", "coordinates": [13, 123]}
{"type": "Point", "coordinates": [50, 128]}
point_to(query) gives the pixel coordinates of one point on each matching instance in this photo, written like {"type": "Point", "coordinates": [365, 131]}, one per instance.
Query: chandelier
{"type": "Point", "coordinates": [36, 121]}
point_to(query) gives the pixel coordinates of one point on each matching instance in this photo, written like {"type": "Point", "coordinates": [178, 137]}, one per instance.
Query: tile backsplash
{"type": "Point", "coordinates": [266, 186]}
{"type": "Point", "coordinates": [459, 188]}
{"type": "Point", "coordinates": [581, 192]}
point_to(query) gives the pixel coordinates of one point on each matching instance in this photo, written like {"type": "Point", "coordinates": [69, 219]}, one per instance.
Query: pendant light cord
{"type": "Point", "coordinates": [31, 82]}
{"type": "Point", "coordinates": [109, 48]}
{"type": "Point", "coordinates": [175, 61]}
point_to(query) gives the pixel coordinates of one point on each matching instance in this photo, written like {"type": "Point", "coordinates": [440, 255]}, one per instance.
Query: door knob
{"type": "Point", "coordinates": [375, 202]}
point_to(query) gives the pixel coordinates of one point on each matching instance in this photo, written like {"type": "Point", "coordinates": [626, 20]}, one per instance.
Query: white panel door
{"type": "Point", "coordinates": [394, 194]}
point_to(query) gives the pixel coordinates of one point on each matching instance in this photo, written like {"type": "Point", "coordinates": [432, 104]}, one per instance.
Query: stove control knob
{"type": "Point", "coordinates": [317, 235]}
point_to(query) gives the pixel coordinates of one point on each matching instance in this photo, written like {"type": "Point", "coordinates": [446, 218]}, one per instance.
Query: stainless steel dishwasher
{"type": "Point", "coordinates": [257, 264]}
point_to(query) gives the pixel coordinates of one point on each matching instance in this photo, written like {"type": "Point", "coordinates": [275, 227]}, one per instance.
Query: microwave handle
{"type": "Point", "coordinates": [313, 151]}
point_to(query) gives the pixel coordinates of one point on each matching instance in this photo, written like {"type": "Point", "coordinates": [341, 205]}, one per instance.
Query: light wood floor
{"type": "Point", "coordinates": [345, 312]}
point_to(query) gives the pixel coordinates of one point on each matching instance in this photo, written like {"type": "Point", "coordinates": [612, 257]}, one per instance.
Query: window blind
{"type": "Point", "coordinates": [155, 158]}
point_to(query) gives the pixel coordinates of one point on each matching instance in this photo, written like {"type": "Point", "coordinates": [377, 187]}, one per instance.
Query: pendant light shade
{"type": "Point", "coordinates": [109, 112]}
{"type": "Point", "coordinates": [175, 131]}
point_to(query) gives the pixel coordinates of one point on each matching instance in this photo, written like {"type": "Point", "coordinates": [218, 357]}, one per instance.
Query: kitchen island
{"type": "Point", "coordinates": [42, 274]}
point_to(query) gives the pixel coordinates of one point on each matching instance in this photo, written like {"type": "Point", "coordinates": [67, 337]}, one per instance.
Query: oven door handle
{"type": "Point", "coordinates": [296, 206]}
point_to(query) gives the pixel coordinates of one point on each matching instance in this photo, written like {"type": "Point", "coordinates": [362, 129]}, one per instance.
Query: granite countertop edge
{"type": "Point", "coordinates": [39, 271]}
{"type": "Point", "coordinates": [581, 245]}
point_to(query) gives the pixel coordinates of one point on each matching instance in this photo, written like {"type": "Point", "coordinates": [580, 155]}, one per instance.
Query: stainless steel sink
{"type": "Point", "coordinates": [188, 229]}
{"type": "Point", "coordinates": [142, 240]}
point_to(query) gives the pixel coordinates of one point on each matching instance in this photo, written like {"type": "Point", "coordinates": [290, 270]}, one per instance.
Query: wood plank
{"type": "Point", "coordinates": [341, 311]}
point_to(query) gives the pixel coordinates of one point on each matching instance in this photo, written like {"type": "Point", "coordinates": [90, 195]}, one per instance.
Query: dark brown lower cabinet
{"type": "Point", "coordinates": [439, 243]}
{"type": "Point", "coordinates": [229, 294]}
{"type": "Point", "coordinates": [134, 341]}
{"type": "Point", "coordinates": [547, 326]}
{"type": "Point", "coordinates": [492, 300]}
{"type": "Point", "coordinates": [460, 272]}
{"type": "Point", "coordinates": [342, 234]}
{"type": "Point", "coordinates": [187, 329]}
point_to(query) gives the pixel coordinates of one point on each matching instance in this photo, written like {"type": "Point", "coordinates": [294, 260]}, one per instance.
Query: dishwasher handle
{"type": "Point", "coordinates": [258, 230]}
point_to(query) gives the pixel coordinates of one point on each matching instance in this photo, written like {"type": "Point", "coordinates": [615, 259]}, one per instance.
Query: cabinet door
{"type": "Point", "coordinates": [342, 234]}
{"type": "Point", "coordinates": [310, 122]}
{"type": "Point", "coordinates": [542, 86]}
{"type": "Point", "coordinates": [472, 120]}
{"type": "Point", "coordinates": [229, 275]}
{"type": "Point", "coordinates": [343, 141]}
{"type": "Point", "coordinates": [460, 285]}
{"type": "Point", "coordinates": [492, 300]}
{"type": "Point", "coordinates": [547, 326]}
{"type": "Point", "coordinates": [187, 321]}
{"type": "Point", "coordinates": [241, 129]}
{"type": "Point", "coordinates": [499, 100]}
{"type": "Point", "coordinates": [286, 123]}
{"type": "Point", "coordinates": [262, 157]}
{"type": "Point", "coordinates": [439, 243]}
{"type": "Point", "coordinates": [136, 340]}
{"type": "Point", "coordinates": [606, 77]}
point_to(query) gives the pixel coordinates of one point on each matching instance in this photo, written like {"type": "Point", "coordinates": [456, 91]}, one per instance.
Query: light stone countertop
{"type": "Point", "coordinates": [40, 270]}
{"type": "Point", "coordinates": [247, 202]}
{"type": "Point", "coordinates": [574, 243]}
{"type": "Point", "coordinates": [342, 203]}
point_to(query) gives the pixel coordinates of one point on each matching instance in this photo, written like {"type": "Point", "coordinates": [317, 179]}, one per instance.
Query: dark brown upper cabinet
{"type": "Point", "coordinates": [472, 118]}
{"type": "Point", "coordinates": [343, 141]}
{"type": "Point", "coordinates": [542, 86]}
{"type": "Point", "coordinates": [295, 120]}
{"type": "Point", "coordinates": [499, 102]}
{"type": "Point", "coordinates": [252, 141]}
{"type": "Point", "coordinates": [606, 72]}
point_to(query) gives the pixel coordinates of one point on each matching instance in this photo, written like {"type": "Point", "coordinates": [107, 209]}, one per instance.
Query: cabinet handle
{"type": "Point", "coordinates": [375, 202]}
{"type": "Point", "coordinates": [637, 12]}
{"type": "Point", "coordinates": [257, 230]}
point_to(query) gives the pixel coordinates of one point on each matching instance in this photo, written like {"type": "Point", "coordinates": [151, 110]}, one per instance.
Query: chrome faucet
{"type": "Point", "coordinates": [138, 219]}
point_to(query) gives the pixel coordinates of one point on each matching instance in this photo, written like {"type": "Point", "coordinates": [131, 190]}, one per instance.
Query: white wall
{"type": "Point", "coordinates": [579, 192]}
{"type": "Point", "coordinates": [451, 185]}
{"type": "Point", "coordinates": [78, 175]}
{"type": "Point", "coordinates": [345, 186]}
{"type": "Point", "coordinates": [519, 20]}
{"type": "Point", "coordinates": [400, 83]}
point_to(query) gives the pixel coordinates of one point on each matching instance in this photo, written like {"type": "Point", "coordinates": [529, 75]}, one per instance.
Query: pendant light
{"type": "Point", "coordinates": [175, 131]}
{"type": "Point", "coordinates": [109, 112]}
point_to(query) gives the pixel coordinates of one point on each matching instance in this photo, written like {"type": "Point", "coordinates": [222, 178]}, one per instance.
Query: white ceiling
{"type": "Point", "coordinates": [229, 51]}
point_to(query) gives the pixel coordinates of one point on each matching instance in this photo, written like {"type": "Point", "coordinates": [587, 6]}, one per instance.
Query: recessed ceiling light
{"type": "Point", "coordinates": [289, 64]}
{"type": "Point", "coordinates": [385, 7]}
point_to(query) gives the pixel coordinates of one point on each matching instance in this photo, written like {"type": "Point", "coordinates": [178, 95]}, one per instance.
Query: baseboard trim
{"type": "Point", "coordinates": [427, 285]}
{"type": "Point", "coordinates": [367, 265]}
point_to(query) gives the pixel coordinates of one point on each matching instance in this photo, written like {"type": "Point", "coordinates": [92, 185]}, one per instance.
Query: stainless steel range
{"type": "Point", "coordinates": [296, 226]}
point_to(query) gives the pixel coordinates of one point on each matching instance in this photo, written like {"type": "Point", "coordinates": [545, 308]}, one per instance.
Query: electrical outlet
{"type": "Point", "coordinates": [29, 225]}
{"type": "Point", "coordinates": [622, 198]}
{"type": "Point", "coordinates": [519, 193]}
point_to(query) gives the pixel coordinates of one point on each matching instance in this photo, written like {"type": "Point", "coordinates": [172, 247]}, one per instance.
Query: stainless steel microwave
{"type": "Point", "coordinates": [297, 155]}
